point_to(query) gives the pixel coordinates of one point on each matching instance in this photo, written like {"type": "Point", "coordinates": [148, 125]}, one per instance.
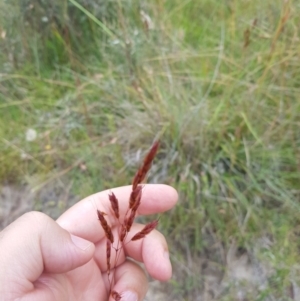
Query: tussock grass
{"type": "Point", "coordinates": [218, 81]}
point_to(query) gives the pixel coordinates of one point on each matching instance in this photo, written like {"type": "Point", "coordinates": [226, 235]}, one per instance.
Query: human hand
{"type": "Point", "coordinates": [41, 259]}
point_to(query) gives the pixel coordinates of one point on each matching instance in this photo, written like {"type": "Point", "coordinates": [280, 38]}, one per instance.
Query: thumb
{"type": "Point", "coordinates": [35, 243]}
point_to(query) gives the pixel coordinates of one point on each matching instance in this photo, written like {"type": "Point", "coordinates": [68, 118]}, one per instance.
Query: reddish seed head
{"type": "Point", "coordinates": [129, 221]}
{"type": "Point", "coordinates": [108, 253]}
{"type": "Point", "coordinates": [114, 204]}
{"type": "Point", "coordinates": [105, 226]}
{"type": "Point", "coordinates": [136, 205]}
{"type": "Point", "coordinates": [123, 232]}
{"type": "Point", "coordinates": [146, 230]}
{"type": "Point", "coordinates": [142, 172]}
{"type": "Point", "coordinates": [135, 196]}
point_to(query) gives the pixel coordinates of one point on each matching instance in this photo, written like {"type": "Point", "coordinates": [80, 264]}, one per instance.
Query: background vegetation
{"type": "Point", "coordinates": [217, 81]}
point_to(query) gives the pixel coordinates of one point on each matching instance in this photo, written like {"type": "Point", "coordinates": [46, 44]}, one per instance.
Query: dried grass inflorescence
{"type": "Point", "coordinates": [105, 226]}
{"type": "Point", "coordinates": [126, 222]}
{"type": "Point", "coordinates": [146, 230]}
{"type": "Point", "coordinates": [142, 172]}
{"type": "Point", "coordinates": [114, 204]}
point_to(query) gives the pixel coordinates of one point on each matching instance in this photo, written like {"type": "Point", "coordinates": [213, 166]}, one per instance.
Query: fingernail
{"type": "Point", "coordinates": [129, 296]}
{"type": "Point", "coordinates": [80, 242]}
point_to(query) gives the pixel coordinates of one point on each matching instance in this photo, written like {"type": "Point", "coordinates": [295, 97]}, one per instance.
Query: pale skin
{"type": "Point", "coordinates": [43, 259]}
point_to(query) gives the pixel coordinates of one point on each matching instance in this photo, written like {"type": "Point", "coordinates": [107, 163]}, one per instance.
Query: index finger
{"type": "Point", "coordinates": [81, 219]}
